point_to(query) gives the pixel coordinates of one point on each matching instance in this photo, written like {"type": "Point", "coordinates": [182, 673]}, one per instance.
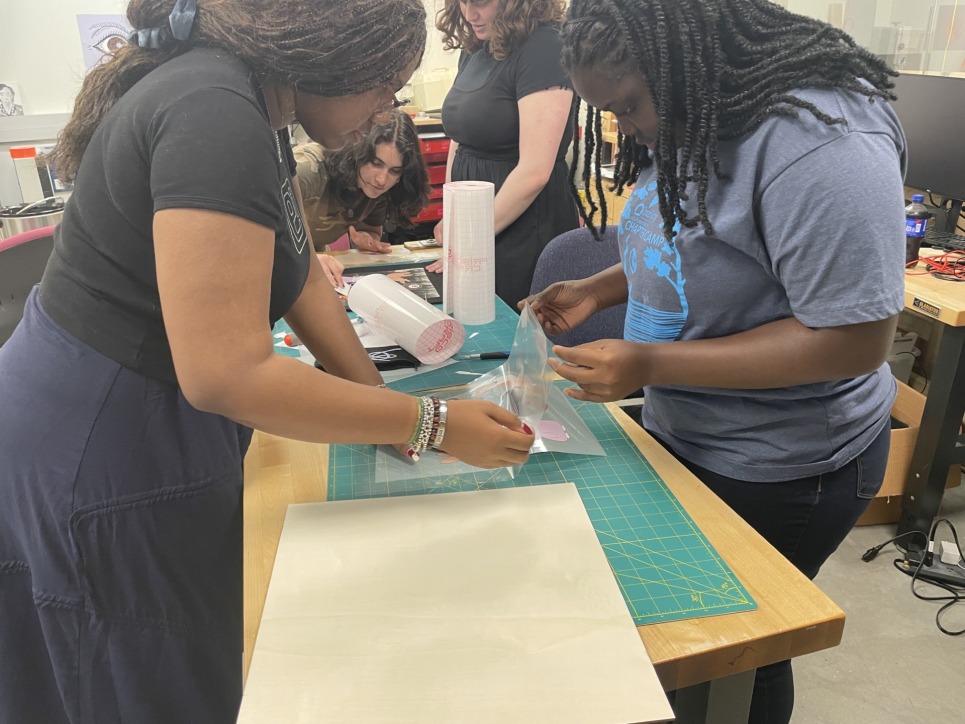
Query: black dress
{"type": "Point", "coordinates": [481, 114]}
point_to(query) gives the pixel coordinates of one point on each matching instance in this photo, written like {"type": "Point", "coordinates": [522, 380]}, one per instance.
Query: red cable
{"type": "Point", "coordinates": [949, 266]}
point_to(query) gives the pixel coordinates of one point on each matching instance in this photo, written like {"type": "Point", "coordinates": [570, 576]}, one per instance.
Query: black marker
{"type": "Point", "coordinates": [486, 355]}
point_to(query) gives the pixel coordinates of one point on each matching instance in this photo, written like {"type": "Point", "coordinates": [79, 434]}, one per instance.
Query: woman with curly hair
{"type": "Point", "coordinates": [129, 390]}
{"type": "Point", "coordinates": [356, 189]}
{"type": "Point", "coordinates": [508, 117]}
{"type": "Point", "coordinates": [763, 151]}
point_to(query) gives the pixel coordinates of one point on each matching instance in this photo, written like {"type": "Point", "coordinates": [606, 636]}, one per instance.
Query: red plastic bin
{"type": "Point", "coordinates": [432, 212]}
{"type": "Point", "coordinates": [437, 173]}
{"type": "Point", "coordinates": [435, 149]}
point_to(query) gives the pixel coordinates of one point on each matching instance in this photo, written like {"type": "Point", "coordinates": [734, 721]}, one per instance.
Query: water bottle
{"type": "Point", "coordinates": [916, 220]}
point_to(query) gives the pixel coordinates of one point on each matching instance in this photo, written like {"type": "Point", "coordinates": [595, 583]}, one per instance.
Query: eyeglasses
{"type": "Point", "coordinates": [384, 114]}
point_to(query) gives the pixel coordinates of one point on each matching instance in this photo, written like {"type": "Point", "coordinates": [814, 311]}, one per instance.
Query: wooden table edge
{"type": "Point", "coordinates": [279, 472]}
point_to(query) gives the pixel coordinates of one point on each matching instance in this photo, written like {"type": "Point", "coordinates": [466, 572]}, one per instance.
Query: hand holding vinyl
{"type": "Point", "coordinates": [563, 305]}
{"type": "Point", "coordinates": [333, 269]}
{"type": "Point", "coordinates": [483, 434]}
{"type": "Point", "coordinates": [605, 370]}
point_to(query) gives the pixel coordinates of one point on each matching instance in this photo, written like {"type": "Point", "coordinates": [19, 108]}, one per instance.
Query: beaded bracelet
{"type": "Point", "coordinates": [427, 429]}
{"type": "Point", "coordinates": [418, 426]}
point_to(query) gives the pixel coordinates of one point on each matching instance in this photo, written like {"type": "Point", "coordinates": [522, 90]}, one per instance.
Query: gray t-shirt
{"type": "Point", "coordinates": [808, 223]}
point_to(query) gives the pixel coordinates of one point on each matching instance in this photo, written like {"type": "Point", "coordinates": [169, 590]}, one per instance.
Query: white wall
{"type": "Point", "coordinates": [41, 49]}
{"type": "Point", "coordinates": [435, 56]}
{"type": "Point", "coordinates": [41, 52]}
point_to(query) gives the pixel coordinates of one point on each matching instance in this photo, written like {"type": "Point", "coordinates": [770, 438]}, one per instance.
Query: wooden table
{"type": "Point", "coordinates": [939, 444]}
{"type": "Point", "coordinates": [710, 661]}
{"type": "Point", "coordinates": [398, 256]}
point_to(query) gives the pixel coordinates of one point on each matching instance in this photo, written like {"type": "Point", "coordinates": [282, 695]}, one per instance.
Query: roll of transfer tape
{"type": "Point", "coordinates": [415, 325]}
{"type": "Point", "coordinates": [469, 282]}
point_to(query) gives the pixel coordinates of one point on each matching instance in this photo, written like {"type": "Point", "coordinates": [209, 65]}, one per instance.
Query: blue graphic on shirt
{"type": "Point", "coordinates": [657, 307]}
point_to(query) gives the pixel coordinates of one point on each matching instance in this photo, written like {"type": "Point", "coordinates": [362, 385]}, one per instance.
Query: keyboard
{"type": "Point", "coordinates": [944, 240]}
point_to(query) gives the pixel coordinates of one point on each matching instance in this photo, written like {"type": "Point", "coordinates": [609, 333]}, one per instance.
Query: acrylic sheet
{"type": "Point", "coordinates": [473, 607]}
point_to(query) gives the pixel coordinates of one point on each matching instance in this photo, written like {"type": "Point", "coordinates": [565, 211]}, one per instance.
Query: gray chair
{"type": "Point", "coordinates": [23, 258]}
{"type": "Point", "coordinates": [577, 255]}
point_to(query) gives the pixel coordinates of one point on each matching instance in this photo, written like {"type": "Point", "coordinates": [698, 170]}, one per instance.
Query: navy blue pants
{"type": "Point", "coordinates": [120, 542]}
{"type": "Point", "coordinates": [806, 520]}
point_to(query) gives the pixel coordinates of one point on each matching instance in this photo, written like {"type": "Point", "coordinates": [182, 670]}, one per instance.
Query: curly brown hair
{"type": "Point", "coordinates": [322, 47]}
{"type": "Point", "coordinates": [408, 197]}
{"type": "Point", "coordinates": [516, 21]}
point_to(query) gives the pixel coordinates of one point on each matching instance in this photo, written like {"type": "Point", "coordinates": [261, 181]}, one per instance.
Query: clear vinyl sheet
{"type": "Point", "coordinates": [521, 385]}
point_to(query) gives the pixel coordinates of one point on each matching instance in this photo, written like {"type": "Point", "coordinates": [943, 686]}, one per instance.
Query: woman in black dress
{"type": "Point", "coordinates": [508, 117]}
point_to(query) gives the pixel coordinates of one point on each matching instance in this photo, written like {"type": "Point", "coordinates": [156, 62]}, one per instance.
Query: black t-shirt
{"type": "Point", "coordinates": [481, 110]}
{"type": "Point", "coordinates": [172, 141]}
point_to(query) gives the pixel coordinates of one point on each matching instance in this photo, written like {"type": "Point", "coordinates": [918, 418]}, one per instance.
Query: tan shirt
{"type": "Point", "coordinates": [327, 218]}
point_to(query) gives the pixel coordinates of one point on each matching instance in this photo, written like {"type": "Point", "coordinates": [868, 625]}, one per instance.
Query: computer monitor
{"type": "Point", "coordinates": [931, 109]}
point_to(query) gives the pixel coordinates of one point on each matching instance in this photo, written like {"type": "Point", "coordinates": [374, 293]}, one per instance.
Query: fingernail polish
{"type": "Point", "coordinates": [527, 429]}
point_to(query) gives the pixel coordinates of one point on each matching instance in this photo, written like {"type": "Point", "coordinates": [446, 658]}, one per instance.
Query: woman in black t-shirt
{"type": "Point", "coordinates": [508, 117]}
{"type": "Point", "coordinates": [129, 389]}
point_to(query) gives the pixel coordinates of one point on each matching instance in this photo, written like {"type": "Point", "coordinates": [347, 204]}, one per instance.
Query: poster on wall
{"type": "Point", "coordinates": [102, 36]}
{"type": "Point", "coordinates": [11, 103]}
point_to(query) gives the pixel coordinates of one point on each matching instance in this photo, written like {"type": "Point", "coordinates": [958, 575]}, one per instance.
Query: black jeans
{"type": "Point", "coordinates": [805, 519]}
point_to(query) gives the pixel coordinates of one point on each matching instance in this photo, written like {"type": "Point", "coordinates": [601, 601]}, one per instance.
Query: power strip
{"type": "Point", "coordinates": [951, 575]}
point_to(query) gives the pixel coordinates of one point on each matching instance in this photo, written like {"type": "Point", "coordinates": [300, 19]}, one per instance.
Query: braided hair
{"type": "Point", "coordinates": [716, 69]}
{"type": "Point", "coordinates": [321, 47]}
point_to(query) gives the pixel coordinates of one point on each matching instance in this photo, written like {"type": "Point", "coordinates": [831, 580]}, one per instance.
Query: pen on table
{"type": "Point", "coordinates": [486, 355]}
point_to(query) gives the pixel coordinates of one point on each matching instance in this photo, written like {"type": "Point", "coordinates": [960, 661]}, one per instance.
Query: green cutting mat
{"type": "Point", "coordinates": [664, 565]}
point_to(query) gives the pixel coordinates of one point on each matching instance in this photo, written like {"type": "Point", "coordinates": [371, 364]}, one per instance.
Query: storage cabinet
{"type": "Point", "coordinates": [435, 150]}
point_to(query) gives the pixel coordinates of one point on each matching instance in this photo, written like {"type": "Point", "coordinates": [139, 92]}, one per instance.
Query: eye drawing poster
{"type": "Point", "coordinates": [101, 36]}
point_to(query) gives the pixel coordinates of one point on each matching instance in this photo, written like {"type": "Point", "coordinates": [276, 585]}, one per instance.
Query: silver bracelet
{"type": "Point", "coordinates": [441, 430]}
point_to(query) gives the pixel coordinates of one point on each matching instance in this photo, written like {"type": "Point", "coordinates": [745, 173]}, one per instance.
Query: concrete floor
{"type": "Point", "coordinates": [893, 665]}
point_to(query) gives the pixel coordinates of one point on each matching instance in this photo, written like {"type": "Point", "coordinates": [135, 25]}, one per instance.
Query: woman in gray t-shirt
{"type": "Point", "coordinates": [764, 159]}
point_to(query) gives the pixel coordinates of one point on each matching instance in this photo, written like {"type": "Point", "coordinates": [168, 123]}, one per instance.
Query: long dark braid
{"type": "Point", "coordinates": [593, 143]}
{"type": "Point", "coordinates": [716, 69]}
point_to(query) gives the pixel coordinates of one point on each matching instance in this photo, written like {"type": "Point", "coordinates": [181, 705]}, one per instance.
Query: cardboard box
{"type": "Point", "coordinates": [886, 506]}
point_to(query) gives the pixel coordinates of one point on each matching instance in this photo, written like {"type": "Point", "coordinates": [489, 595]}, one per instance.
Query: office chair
{"type": "Point", "coordinates": [576, 255]}
{"type": "Point", "coordinates": [23, 258]}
